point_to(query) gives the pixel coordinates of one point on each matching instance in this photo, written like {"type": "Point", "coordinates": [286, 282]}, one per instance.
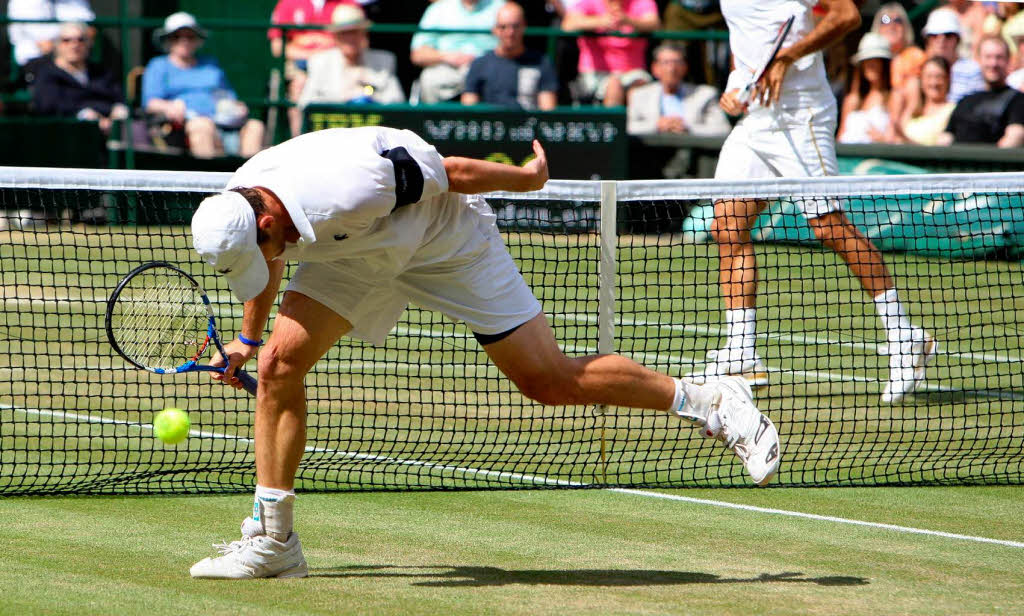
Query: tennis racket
{"type": "Point", "coordinates": [160, 319]}
{"type": "Point", "coordinates": [780, 38]}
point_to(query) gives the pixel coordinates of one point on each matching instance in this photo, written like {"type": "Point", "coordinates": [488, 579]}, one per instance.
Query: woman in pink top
{"type": "Point", "coordinates": [611, 64]}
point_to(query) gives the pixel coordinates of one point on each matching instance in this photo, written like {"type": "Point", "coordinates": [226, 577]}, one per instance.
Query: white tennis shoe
{"type": "Point", "coordinates": [735, 420]}
{"type": "Point", "coordinates": [730, 362]}
{"type": "Point", "coordinates": [907, 365]}
{"type": "Point", "coordinates": [254, 556]}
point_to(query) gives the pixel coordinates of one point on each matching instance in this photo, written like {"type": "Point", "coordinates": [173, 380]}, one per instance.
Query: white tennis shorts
{"type": "Point", "coordinates": [446, 256]}
{"type": "Point", "coordinates": [789, 144]}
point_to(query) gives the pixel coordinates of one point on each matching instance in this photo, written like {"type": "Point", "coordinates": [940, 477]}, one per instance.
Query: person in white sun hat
{"type": "Point", "coordinates": [866, 113]}
{"type": "Point", "coordinates": [788, 130]}
{"type": "Point", "coordinates": [377, 219]}
{"type": "Point", "coordinates": [942, 33]}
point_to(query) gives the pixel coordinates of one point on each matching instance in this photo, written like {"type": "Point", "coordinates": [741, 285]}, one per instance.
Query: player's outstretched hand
{"type": "Point", "coordinates": [537, 168]}
{"type": "Point", "coordinates": [730, 103]}
{"type": "Point", "coordinates": [238, 354]}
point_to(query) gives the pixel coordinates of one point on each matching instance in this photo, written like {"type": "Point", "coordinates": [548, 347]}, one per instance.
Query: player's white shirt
{"type": "Point", "coordinates": [753, 26]}
{"type": "Point", "coordinates": [340, 190]}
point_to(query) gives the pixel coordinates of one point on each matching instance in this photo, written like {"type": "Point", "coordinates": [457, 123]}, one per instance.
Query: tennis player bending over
{"type": "Point", "coordinates": [789, 131]}
{"type": "Point", "coordinates": [377, 219]}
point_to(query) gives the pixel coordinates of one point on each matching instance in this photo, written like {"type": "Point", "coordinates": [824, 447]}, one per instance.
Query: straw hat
{"type": "Point", "coordinates": [872, 46]}
{"type": "Point", "coordinates": [347, 17]}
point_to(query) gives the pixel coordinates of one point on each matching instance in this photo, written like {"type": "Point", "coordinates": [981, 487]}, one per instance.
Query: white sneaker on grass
{"type": "Point", "coordinates": [907, 365]}
{"type": "Point", "coordinates": [735, 420]}
{"type": "Point", "coordinates": [254, 556]}
{"type": "Point", "coordinates": [730, 362]}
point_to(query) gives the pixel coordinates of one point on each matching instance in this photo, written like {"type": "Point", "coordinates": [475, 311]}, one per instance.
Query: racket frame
{"type": "Point", "coordinates": [248, 382]}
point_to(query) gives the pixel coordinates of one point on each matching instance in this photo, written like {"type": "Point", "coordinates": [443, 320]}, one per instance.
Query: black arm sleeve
{"type": "Point", "coordinates": [408, 176]}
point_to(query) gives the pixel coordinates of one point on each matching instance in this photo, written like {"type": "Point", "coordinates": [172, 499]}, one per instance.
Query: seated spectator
{"type": "Point", "coordinates": [924, 124]}
{"type": "Point", "coordinates": [942, 35]}
{"type": "Point", "coordinates": [610, 65]}
{"type": "Point", "coordinates": [892, 22]}
{"type": "Point", "coordinates": [351, 72]}
{"type": "Point", "coordinates": [34, 41]}
{"type": "Point", "coordinates": [193, 91]}
{"type": "Point", "coordinates": [299, 45]}
{"type": "Point", "coordinates": [70, 85]}
{"type": "Point", "coordinates": [865, 115]}
{"type": "Point", "coordinates": [512, 75]}
{"type": "Point", "coordinates": [445, 58]}
{"type": "Point", "coordinates": [669, 105]}
{"type": "Point", "coordinates": [995, 115]}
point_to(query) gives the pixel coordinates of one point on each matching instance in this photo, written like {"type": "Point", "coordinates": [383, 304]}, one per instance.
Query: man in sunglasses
{"type": "Point", "coordinates": [69, 85]}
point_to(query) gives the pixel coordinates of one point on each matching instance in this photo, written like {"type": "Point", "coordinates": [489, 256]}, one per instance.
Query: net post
{"type": "Point", "coordinates": [606, 293]}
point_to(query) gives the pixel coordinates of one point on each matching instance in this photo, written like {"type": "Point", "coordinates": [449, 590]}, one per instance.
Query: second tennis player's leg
{"type": "Point", "coordinates": [910, 348]}
{"type": "Point", "coordinates": [724, 409]}
{"type": "Point", "coordinates": [304, 330]}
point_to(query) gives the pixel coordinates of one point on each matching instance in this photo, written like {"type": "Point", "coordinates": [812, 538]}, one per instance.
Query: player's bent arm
{"type": "Point", "coordinates": [471, 176]}
{"type": "Point", "coordinates": [254, 320]}
{"type": "Point", "coordinates": [841, 18]}
{"type": "Point", "coordinates": [257, 310]}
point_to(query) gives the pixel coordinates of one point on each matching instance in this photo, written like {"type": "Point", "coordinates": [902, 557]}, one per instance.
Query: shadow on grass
{"type": "Point", "coordinates": [447, 576]}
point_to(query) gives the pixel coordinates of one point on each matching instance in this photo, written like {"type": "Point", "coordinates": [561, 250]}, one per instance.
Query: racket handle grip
{"type": "Point", "coordinates": [247, 380]}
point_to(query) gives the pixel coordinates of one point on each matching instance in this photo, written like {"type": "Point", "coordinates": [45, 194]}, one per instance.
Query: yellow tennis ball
{"type": "Point", "coordinates": [171, 426]}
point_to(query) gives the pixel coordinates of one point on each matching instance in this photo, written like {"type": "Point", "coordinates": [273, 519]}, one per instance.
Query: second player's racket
{"type": "Point", "coordinates": [160, 319]}
{"type": "Point", "coordinates": [780, 38]}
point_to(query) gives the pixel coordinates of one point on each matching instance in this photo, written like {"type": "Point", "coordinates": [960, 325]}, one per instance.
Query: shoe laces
{"type": "Point", "coordinates": [238, 545]}
{"type": "Point", "coordinates": [724, 431]}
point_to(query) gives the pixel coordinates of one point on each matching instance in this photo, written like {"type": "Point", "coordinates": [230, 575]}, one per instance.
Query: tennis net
{"type": "Point", "coordinates": [624, 266]}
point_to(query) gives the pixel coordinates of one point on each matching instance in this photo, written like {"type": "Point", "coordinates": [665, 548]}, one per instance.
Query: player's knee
{"type": "Point", "coordinates": [276, 365]}
{"type": "Point", "coordinates": [828, 231]}
{"type": "Point", "coordinates": [728, 231]}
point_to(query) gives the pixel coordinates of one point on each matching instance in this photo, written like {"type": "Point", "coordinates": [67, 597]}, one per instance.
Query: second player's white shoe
{"type": "Point", "coordinates": [735, 420]}
{"type": "Point", "coordinates": [729, 362]}
{"type": "Point", "coordinates": [907, 364]}
{"type": "Point", "coordinates": [254, 556]}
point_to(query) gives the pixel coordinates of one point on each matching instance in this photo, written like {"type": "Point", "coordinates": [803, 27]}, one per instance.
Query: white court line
{"type": "Point", "coordinates": [540, 479]}
{"type": "Point", "coordinates": [814, 516]}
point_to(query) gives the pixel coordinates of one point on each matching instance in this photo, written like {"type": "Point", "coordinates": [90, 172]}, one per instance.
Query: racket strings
{"type": "Point", "coordinates": [163, 322]}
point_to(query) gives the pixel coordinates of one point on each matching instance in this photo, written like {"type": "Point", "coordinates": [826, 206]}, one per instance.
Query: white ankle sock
{"type": "Point", "coordinates": [898, 327]}
{"type": "Point", "coordinates": [742, 324]}
{"type": "Point", "coordinates": [690, 402]}
{"type": "Point", "coordinates": [274, 509]}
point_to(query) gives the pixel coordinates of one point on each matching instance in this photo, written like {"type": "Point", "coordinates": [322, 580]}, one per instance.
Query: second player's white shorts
{"type": "Point", "coordinates": [791, 144]}
{"type": "Point", "coordinates": [458, 266]}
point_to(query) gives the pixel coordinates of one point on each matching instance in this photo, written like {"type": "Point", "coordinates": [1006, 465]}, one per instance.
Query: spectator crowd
{"type": "Point", "coordinates": [956, 80]}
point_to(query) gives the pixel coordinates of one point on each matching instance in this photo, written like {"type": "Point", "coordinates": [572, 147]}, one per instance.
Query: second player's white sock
{"type": "Point", "coordinates": [691, 402]}
{"type": "Point", "coordinates": [742, 324]}
{"type": "Point", "coordinates": [273, 509]}
{"type": "Point", "coordinates": [898, 327]}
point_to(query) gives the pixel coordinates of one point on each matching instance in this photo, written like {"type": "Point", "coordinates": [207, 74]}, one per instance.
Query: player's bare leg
{"type": "Point", "coordinates": [303, 331]}
{"type": "Point", "coordinates": [724, 409]}
{"type": "Point", "coordinates": [910, 347]}
{"type": "Point", "coordinates": [730, 229]}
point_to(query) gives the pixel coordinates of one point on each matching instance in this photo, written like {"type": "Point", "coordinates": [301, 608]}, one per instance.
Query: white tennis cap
{"type": "Point", "coordinates": [224, 235]}
{"type": "Point", "coordinates": [942, 21]}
